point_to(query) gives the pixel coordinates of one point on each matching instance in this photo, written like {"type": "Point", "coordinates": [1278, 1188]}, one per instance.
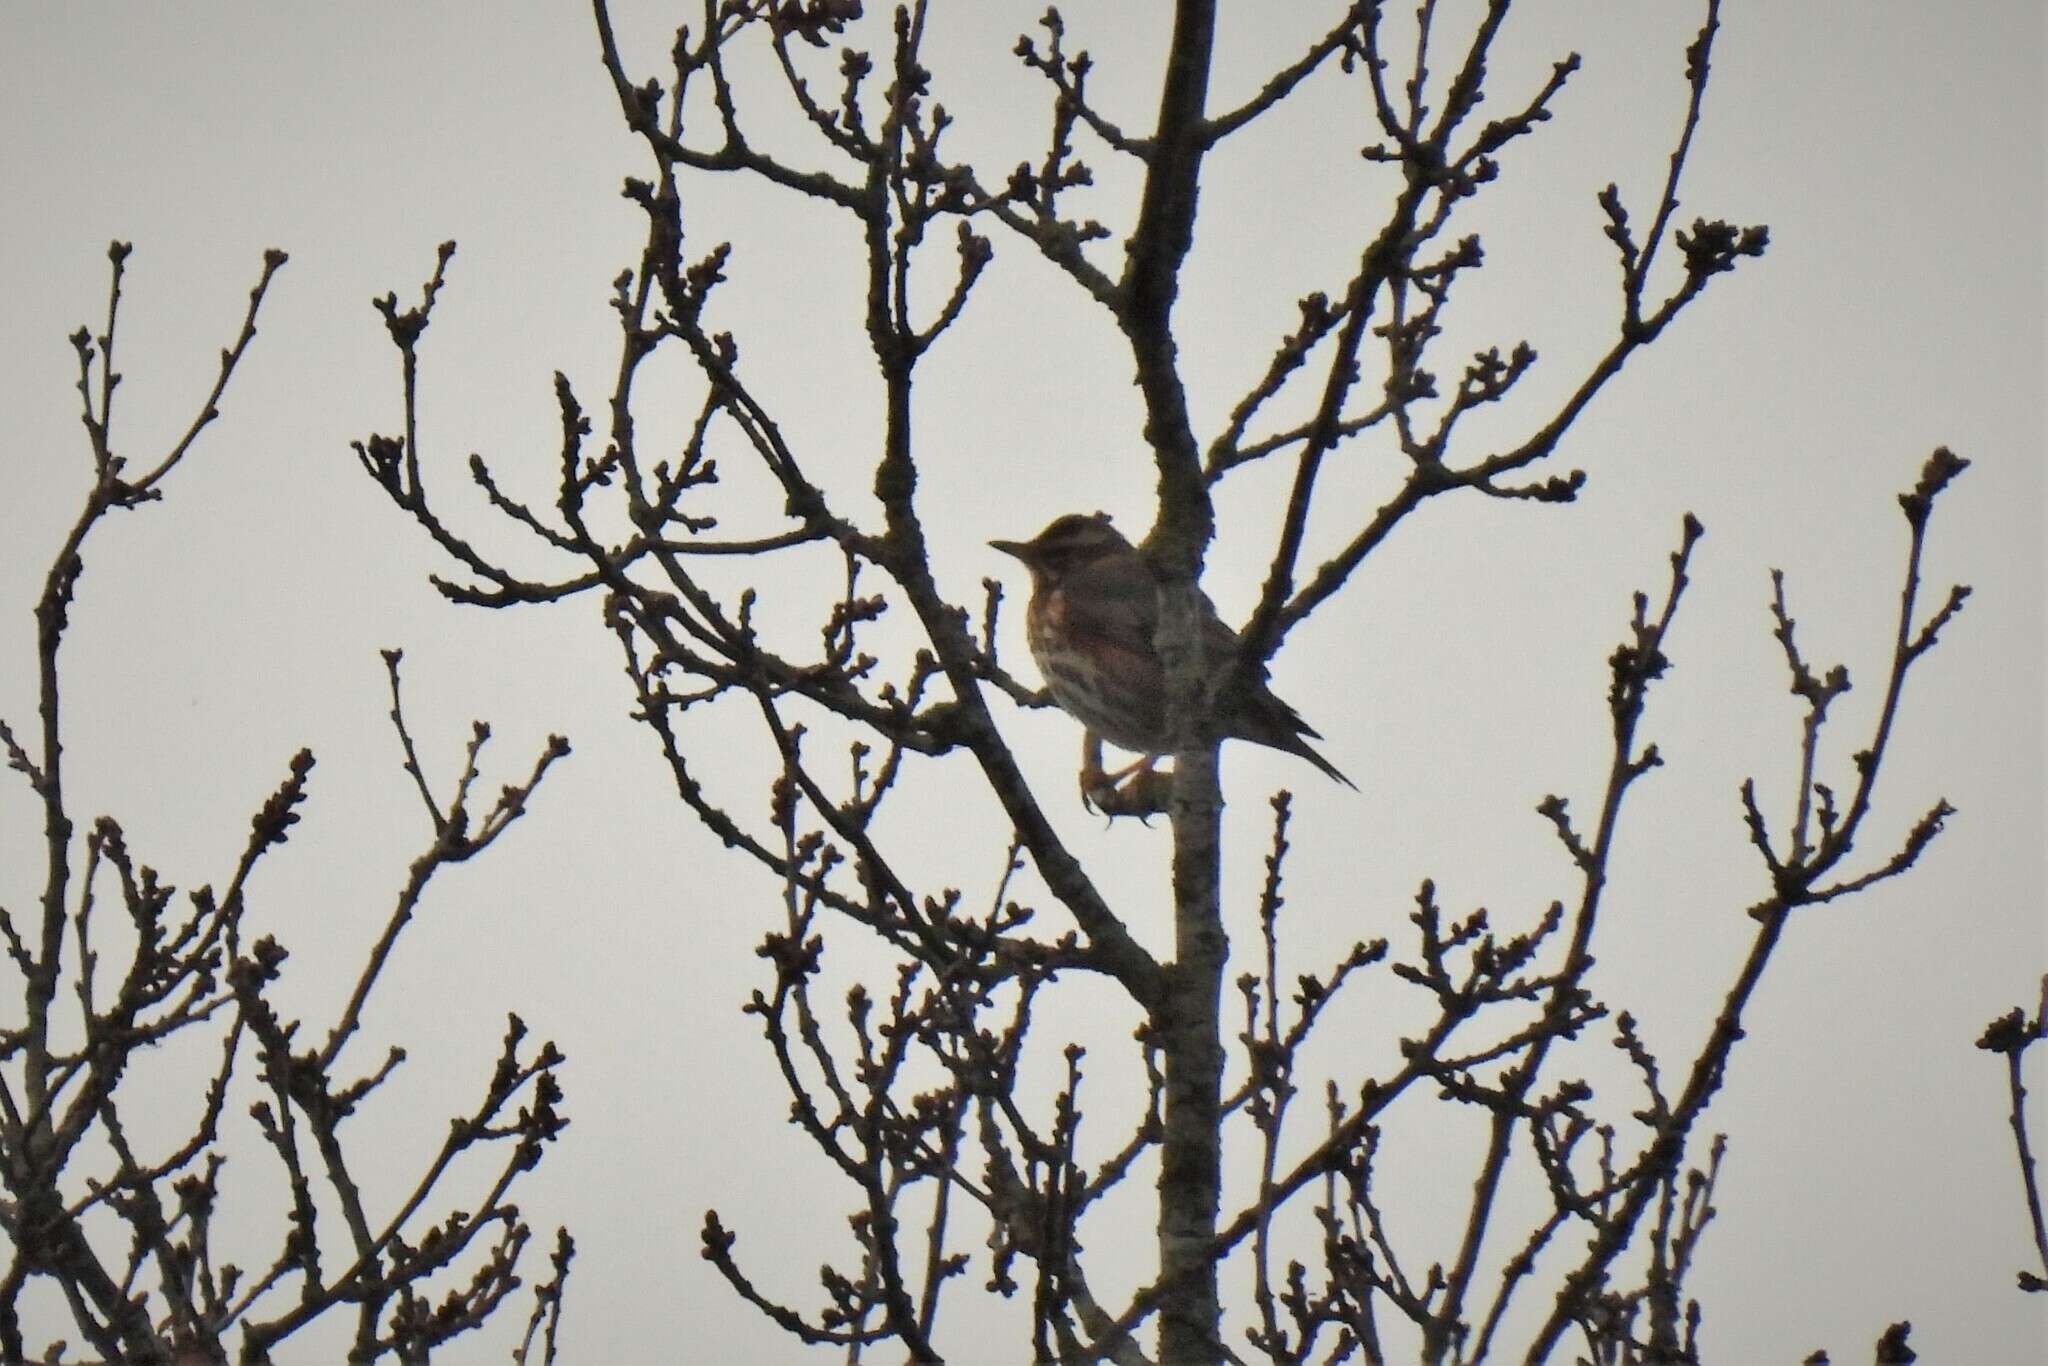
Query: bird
{"type": "Point", "coordinates": [1091, 619]}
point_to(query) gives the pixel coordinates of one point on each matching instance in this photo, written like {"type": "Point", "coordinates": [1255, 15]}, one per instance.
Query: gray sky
{"type": "Point", "coordinates": [1894, 149]}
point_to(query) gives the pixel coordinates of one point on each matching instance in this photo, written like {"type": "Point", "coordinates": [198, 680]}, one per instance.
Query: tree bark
{"type": "Point", "coordinates": [1186, 1018]}
{"type": "Point", "coordinates": [1189, 1027]}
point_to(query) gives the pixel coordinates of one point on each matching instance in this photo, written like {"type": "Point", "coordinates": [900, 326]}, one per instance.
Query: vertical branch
{"type": "Point", "coordinates": [1187, 1017]}
{"type": "Point", "coordinates": [1151, 283]}
{"type": "Point", "coordinates": [2013, 1034]}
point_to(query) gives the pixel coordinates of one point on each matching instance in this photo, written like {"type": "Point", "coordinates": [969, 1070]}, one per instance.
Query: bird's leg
{"type": "Point", "coordinates": [1124, 774]}
{"type": "Point", "coordinates": [1095, 784]}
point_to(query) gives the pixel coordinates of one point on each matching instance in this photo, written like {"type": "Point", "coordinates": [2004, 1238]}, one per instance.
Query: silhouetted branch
{"type": "Point", "coordinates": [2012, 1034]}
{"type": "Point", "coordinates": [156, 1290]}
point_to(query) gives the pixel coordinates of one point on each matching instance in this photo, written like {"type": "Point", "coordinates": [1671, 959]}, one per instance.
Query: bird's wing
{"type": "Point", "coordinates": [1115, 603]}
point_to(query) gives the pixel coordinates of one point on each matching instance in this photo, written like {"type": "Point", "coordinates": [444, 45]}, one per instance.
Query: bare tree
{"type": "Point", "coordinates": [911, 1091]}
{"type": "Point", "coordinates": [124, 1230]}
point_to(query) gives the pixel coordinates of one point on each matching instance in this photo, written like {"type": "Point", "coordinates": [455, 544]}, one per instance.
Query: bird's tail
{"type": "Point", "coordinates": [1268, 720]}
{"type": "Point", "coordinates": [1296, 745]}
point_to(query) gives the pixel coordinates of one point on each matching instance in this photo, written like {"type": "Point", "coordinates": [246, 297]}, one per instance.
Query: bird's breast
{"type": "Point", "coordinates": [1044, 619]}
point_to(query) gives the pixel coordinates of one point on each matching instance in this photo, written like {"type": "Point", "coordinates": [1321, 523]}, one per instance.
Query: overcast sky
{"type": "Point", "coordinates": [1896, 152]}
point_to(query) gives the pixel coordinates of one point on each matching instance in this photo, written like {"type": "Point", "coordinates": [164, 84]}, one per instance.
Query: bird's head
{"type": "Point", "coordinates": [1071, 543]}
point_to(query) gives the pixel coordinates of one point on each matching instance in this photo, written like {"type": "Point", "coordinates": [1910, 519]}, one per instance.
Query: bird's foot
{"type": "Point", "coordinates": [1143, 794]}
{"type": "Point", "coordinates": [1138, 789]}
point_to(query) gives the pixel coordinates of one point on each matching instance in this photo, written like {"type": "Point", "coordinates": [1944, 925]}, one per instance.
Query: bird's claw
{"type": "Point", "coordinates": [1097, 787]}
{"type": "Point", "coordinates": [1098, 793]}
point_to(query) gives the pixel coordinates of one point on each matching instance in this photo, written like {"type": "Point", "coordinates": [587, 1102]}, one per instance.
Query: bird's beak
{"type": "Point", "coordinates": [1017, 548]}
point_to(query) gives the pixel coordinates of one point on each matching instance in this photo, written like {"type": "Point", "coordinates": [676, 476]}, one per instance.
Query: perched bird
{"type": "Point", "coordinates": [1093, 613]}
